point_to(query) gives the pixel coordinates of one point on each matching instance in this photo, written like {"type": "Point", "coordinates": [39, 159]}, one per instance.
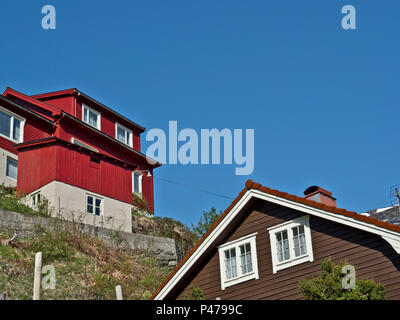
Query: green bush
{"type": "Point", "coordinates": [328, 285]}
{"type": "Point", "coordinates": [53, 245]}
{"type": "Point", "coordinates": [195, 294]}
{"type": "Point", "coordinates": [12, 201]}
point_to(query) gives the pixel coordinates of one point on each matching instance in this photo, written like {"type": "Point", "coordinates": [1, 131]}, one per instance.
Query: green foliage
{"type": "Point", "coordinates": [328, 285]}
{"type": "Point", "coordinates": [141, 203]}
{"type": "Point", "coordinates": [195, 294]}
{"type": "Point", "coordinates": [206, 221]}
{"type": "Point", "coordinates": [12, 201]}
{"type": "Point", "coordinates": [53, 245]}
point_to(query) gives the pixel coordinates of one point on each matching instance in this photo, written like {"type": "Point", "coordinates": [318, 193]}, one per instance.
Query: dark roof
{"type": "Point", "coordinates": [389, 214]}
{"type": "Point", "coordinates": [85, 96]}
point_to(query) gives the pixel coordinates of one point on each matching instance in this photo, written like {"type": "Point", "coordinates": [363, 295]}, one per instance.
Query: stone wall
{"type": "Point", "coordinates": [162, 249]}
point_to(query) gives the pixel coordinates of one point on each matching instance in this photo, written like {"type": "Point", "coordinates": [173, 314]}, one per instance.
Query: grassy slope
{"type": "Point", "coordinates": [85, 268]}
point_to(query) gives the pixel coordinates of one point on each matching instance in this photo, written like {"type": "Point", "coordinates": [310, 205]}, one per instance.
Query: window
{"type": "Point", "coordinates": [11, 126]}
{"type": "Point", "coordinates": [291, 243]}
{"type": "Point", "coordinates": [91, 116]}
{"type": "Point", "coordinates": [123, 134]}
{"type": "Point", "coordinates": [12, 168]}
{"type": "Point", "coordinates": [35, 199]}
{"type": "Point", "coordinates": [83, 145]}
{"type": "Point", "coordinates": [94, 205]}
{"type": "Point", "coordinates": [137, 182]}
{"type": "Point", "coordinates": [238, 261]}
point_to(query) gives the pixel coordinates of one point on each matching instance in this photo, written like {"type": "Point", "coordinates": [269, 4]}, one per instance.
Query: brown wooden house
{"type": "Point", "coordinates": [267, 241]}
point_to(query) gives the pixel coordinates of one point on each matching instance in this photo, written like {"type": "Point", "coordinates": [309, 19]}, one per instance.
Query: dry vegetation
{"type": "Point", "coordinates": [86, 268]}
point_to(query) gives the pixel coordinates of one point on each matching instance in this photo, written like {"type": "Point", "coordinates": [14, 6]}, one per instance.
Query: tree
{"type": "Point", "coordinates": [206, 221]}
{"type": "Point", "coordinates": [328, 285]}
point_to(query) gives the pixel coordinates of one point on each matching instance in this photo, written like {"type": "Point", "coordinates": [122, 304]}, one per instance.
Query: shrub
{"type": "Point", "coordinates": [195, 294]}
{"type": "Point", "coordinates": [328, 285]}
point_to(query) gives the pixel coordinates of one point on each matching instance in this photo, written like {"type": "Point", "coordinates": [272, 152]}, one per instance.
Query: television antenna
{"type": "Point", "coordinates": [395, 195]}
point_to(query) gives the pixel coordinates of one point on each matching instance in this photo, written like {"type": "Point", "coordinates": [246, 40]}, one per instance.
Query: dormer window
{"type": "Point", "coordinates": [291, 243]}
{"type": "Point", "coordinates": [91, 116]}
{"type": "Point", "coordinates": [123, 134]}
{"type": "Point", "coordinates": [238, 261]}
{"type": "Point", "coordinates": [11, 126]}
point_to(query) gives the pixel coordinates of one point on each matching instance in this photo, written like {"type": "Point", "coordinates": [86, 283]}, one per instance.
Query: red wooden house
{"type": "Point", "coordinates": [76, 152]}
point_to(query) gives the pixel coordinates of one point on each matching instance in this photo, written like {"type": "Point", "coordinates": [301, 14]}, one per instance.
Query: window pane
{"type": "Point", "coordinates": [282, 246]}
{"type": "Point", "coordinates": [12, 168]}
{"type": "Point", "coordinates": [17, 130]}
{"type": "Point", "coordinates": [299, 241]}
{"type": "Point", "coordinates": [90, 200]}
{"type": "Point", "coordinates": [5, 123]}
{"type": "Point", "coordinates": [121, 135]}
{"type": "Point", "coordinates": [245, 258]}
{"type": "Point", "coordinates": [92, 119]}
{"type": "Point", "coordinates": [97, 211]}
{"type": "Point", "coordinates": [136, 182]}
{"type": "Point", "coordinates": [90, 208]}
{"type": "Point", "coordinates": [98, 202]}
{"type": "Point", "coordinates": [230, 263]}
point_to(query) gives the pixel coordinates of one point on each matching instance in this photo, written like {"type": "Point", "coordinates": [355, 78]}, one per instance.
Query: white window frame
{"type": "Point", "coordinates": [251, 238]}
{"type": "Point", "coordinates": [83, 145]}
{"type": "Point", "coordinates": [140, 182]}
{"type": "Point", "coordinates": [130, 140]}
{"type": "Point", "coordinates": [22, 121]}
{"type": "Point", "coordinates": [94, 206]}
{"type": "Point", "coordinates": [35, 200]}
{"type": "Point", "coordinates": [12, 159]}
{"type": "Point", "coordinates": [293, 260]}
{"type": "Point", "coordinates": [97, 113]}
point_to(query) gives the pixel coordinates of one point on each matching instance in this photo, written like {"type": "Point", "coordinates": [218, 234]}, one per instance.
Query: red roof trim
{"type": "Point", "coordinates": [250, 184]}
{"type": "Point", "coordinates": [11, 92]}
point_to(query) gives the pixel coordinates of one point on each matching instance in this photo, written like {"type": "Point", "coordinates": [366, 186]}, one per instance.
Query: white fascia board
{"type": "Point", "coordinates": [392, 237]}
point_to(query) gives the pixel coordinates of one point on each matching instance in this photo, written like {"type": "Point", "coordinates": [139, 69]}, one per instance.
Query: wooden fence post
{"type": "Point", "coordinates": [37, 276]}
{"type": "Point", "coordinates": [118, 290]}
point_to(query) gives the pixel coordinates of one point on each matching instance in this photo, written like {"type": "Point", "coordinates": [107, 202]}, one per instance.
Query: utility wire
{"type": "Point", "coordinates": [194, 188]}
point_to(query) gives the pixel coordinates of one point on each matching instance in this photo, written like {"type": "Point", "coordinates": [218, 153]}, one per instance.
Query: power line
{"type": "Point", "coordinates": [194, 188]}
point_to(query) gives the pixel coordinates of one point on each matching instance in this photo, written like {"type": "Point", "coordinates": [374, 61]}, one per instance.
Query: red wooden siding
{"type": "Point", "coordinates": [106, 178]}
{"type": "Point", "coordinates": [36, 168]}
{"type": "Point", "coordinates": [372, 257]}
{"type": "Point", "coordinates": [44, 164]}
{"type": "Point", "coordinates": [65, 103]}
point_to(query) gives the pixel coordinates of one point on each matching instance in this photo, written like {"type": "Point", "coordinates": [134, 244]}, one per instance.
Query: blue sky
{"type": "Point", "coordinates": [323, 101]}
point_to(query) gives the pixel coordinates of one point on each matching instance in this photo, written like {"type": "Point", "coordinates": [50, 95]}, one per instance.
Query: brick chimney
{"type": "Point", "coordinates": [318, 194]}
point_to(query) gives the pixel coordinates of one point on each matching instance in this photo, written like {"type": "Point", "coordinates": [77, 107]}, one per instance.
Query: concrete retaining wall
{"type": "Point", "coordinates": [162, 249]}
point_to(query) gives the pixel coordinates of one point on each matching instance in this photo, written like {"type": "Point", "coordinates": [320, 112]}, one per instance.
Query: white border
{"type": "Point", "coordinates": [140, 182]}
{"type": "Point", "coordinates": [288, 225]}
{"type": "Point", "coordinates": [21, 119]}
{"type": "Point", "coordinates": [94, 204]}
{"type": "Point", "coordinates": [392, 237]}
{"type": "Point", "coordinates": [236, 244]}
{"type": "Point", "coordinates": [130, 142]}
{"type": "Point", "coordinates": [95, 112]}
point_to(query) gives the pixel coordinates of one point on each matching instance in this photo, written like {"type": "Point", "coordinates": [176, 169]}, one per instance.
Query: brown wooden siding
{"type": "Point", "coordinates": [372, 257]}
